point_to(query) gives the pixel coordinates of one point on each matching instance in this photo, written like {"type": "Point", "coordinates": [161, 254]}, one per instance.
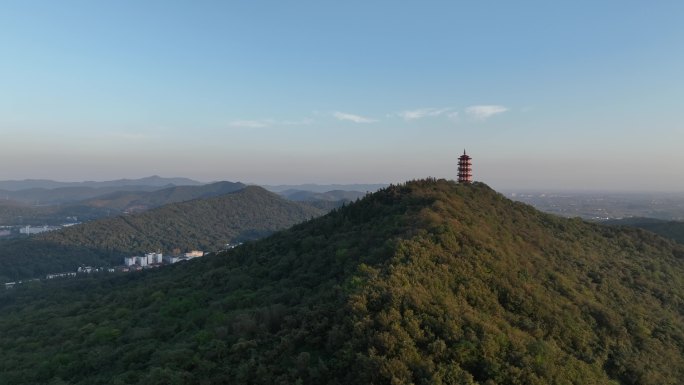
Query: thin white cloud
{"type": "Point", "coordinates": [422, 113]}
{"type": "Point", "coordinates": [352, 118]}
{"type": "Point", "coordinates": [263, 123]}
{"type": "Point", "coordinates": [485, 111]}
{"type": "Point", "coordinates": [249, 123]}
{"type": "Point", "coordinates": [453, 115]}
{"type": "Point", "coordinates": [302, 122]}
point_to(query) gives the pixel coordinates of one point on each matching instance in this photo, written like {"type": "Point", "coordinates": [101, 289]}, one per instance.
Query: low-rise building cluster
{"type": "Point", "coordinates": [31, 230]}
{"type": "Point", "coordinates": [133, 263]}
{"type": "Point", "coordinates": [60, 275]}
{"type": "Point", "coordinates": [90, 269]}
{"type": "Point", "coordinates": [155, 259]}
{"type": "Point", "coordinates": [145, 260]}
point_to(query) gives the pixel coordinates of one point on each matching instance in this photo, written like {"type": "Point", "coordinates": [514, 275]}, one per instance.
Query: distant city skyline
{"type": "Point", "coordinates": [581, 95]}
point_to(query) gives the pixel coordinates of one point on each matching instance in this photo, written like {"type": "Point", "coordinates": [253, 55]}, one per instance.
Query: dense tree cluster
{"type": "Point", "coordinates": [17, 214]}
{"type": "Point", "coordinates": [424, 283]}
{"type": "Point", "coordinates": [668, 229]}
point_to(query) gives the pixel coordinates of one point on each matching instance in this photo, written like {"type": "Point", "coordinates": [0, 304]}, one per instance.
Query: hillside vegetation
{"type": "Point", "coordinates": [424, 283]}
{"type": "Point", "coordinates": [328, 196]}
{"type": "Point", "coordinates": [142, 200]}
{"type": "Point", "coordinates": [205, 224]}
{"type": "Point", "coordinates": [21, 214]}
{"type": "Point", "coordinates": [668, 229]}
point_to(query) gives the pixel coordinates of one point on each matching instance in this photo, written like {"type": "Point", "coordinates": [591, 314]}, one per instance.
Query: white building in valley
{"type": "Point", "coordinates": [30, 230]}
{"type": "Point", "coordinates": [154, 258]}
{"type": "Point", "coordinates": [185, 257]}
{"type": "Point", "coordinates": [170, 259]}
{"type": "Point", "coordinates": [129, 261]}
{"type": "Point", "coordinates": [157, 258]}
{"type": "Point", "coordinates": [145, 260]}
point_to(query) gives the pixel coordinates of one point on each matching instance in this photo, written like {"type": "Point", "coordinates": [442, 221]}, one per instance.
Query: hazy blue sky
{"type": "Point", "coordinates": [552, 94]}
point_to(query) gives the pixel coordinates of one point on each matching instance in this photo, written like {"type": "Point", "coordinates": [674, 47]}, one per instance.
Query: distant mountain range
{"type": "Point", "coordinates": [331, 196]}
{"type": "Point", "coordinates": [50, 202]}
{"type": "Point", "coordinates": [119, 193]}
{"type": "Point", "coordinates": [150, 181]}
{"type": "Point", "coordinates": [143, 200]}
{"type": "Point", "coordinates": [428, 282]}
{"type": "Point", "coordinates": [105, 203]}
{"type": "Point", "coordinates": [322, 188]}
{"type": "Point", "coordinates": [206, 224]}
{"type": "Point", "coordinates": [65, 195]}
{"type": "Point", "coordinates": [40, 192]}
{"type": "Point", "coordinates": [157, 181]}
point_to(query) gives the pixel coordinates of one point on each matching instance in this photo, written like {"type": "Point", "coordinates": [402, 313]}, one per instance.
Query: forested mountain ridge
{"type": "Point", "coordinates": [140, 201]}
{"type": "Point", "coordinates": [424, 283]}
{"type": "Point", "coordinates": [88, 203]}
{"type": "Point", "coordinates": [205, 224]}
{"type": "Point", "coordinates": [41, 197]}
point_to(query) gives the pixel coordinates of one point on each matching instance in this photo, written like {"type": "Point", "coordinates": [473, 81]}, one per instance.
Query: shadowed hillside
{"type": "Point", "coordinates": [205, 224]}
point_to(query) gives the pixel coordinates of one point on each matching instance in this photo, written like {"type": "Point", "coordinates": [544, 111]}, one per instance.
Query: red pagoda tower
{"type": "Point", "coordinates": [465, 171]}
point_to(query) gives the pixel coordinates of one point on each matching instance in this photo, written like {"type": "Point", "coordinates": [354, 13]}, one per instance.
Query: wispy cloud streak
{"type": "Point", "coordinates": [249, 123]}
{"type": "Point", "coordinates": [484, 112]}
{"type": "Point", "coordinates": [422, 113]}
{"type": "Point", "coordinates": [263, 123]}
{"type": "Point", "coordinates": [352, 118]}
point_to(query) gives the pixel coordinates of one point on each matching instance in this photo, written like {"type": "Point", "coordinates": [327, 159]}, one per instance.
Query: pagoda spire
{"type": "Point", "coordinates": [465, 171]}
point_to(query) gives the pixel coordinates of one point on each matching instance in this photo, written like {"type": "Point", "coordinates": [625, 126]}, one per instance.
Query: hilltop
{"type": "Point", "coordinates": [429, 282]}
{"type": "Point", "coordinates": [205, 224]}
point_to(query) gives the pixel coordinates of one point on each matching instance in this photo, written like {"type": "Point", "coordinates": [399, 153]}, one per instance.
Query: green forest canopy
{"type": "Point", "coordinates": [429, 282]}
